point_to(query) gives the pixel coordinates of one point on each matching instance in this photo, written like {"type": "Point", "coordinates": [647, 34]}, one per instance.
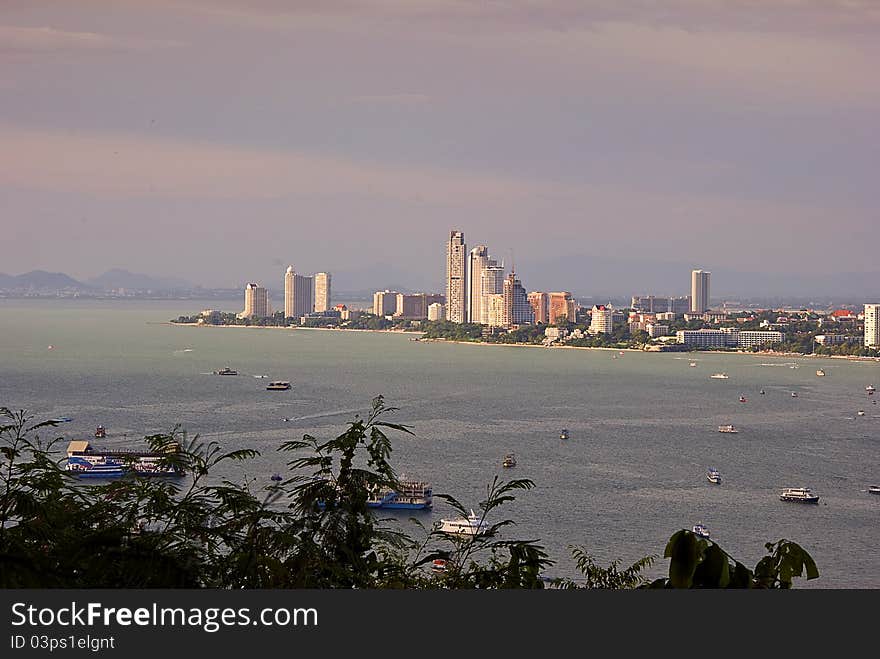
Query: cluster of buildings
{"type": "Point", "coordinates": [303, 296]}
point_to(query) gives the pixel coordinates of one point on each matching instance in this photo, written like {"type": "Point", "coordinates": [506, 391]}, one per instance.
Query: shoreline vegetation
{"type": "Point", "coordinates": [424, 339]}
{"type": "Point", "coordinates": [310, 528]}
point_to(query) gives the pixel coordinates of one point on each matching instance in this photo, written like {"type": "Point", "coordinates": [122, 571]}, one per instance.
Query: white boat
{"type": "Point", "coordinates": [278, 385]}
{"type": "Point", "coordinates": [874, 489]}
{"type": "Point", "coordinates": [794, 394]}
{"type": "Point", "coordinates": [692, 364]}
{"type": "Point", "coordinates": [799, 494]}
{"type": "Point", "coordinates": [870, 389]}
{"type": "Point", "coordinates": [820, 373]}
{"type": "Point", "coordinates": [226, 371]}
{"type": "Point", "coordinates": [727, 428]}
{"type": "Point", "coordinates": [471, 525]}
{"type": "Point", "coordinates": [719, 376]}
{"type": "Point", "coordinates": [861, 413]}
{"type": "Point", "coordinates": [713, 476]}
{"type": "Point", "coordinates": [701, 530]}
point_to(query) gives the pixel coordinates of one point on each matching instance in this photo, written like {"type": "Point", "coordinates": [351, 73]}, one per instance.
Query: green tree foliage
{"type": "Point", "coordinates": [313, 529]}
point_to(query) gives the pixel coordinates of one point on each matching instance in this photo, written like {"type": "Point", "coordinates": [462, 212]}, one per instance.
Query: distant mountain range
{"type": "Point", "coordinates": [112, 280]}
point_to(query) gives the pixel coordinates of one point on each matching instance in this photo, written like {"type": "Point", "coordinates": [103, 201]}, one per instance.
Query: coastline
{"type": "Point", "coordinates": [418, 337]}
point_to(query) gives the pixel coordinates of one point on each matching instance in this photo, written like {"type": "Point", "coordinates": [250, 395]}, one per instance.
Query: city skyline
{"type": "Point", "coordinates": [730, 134]}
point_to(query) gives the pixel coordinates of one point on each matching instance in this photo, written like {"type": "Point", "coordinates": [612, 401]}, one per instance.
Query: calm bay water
{"type": "Point", "coordinates": [643, 427]}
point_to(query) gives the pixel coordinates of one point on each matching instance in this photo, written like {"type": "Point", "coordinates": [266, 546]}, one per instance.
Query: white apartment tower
{"type": "Point", "coordinates": [297, 294]}
{"type": "Point", "coordinates": [491, 283]}
{"type": "Point", "coordinates": [478, 260]}
{"type": "Point", "coordinates": [872, 325]}
{"type": "Point", "coordinates": [456, 278]}
{"type": "Point", "coordinates": [322, 291]}
{"type": "Point", "coordinates": [256, 302]}
{"type": "Point", "coordinates": [602, 319]}
{"type": "Point", "coordinates": [699, 291]}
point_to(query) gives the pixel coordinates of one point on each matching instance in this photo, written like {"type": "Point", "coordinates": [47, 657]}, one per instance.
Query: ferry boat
{"type": "Point", "coordinates": [874, 489]}
{"type": "Point", "coordinates": [410, 495]}
{"type": "Point", "coordinates": [719, 376]}
{"type": "Point", "coordinates": [727, 428]}
{"type": "Point", "coordinates": [820, 373]}
{"type": "Point", "coordinates": [713, 476]}
{"type": "Point", "coordinates": [100, 432]}
{"type": "Point", "coordinates": [470, 525]}
{"type": "Point", "coordinates": [86, 461]}
{"type": "Point", "coordinates": [509, 460]}
{"type": "Point", "coordinates": [799, 494]}
{"type": "Point", "coordinates": [226, 371]}
{"type": "Point", "coordinates": [701, 530]}
{"type": "Point", "coordinates": [278, 385]}
{"type": "Point", "coordinates": [563, 434]}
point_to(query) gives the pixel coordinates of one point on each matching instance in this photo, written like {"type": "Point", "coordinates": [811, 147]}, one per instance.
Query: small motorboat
{"type": "Point", "coordinates": [438, 565]}
{"type": "Point", "coordinates": [719, 376]}
{"type": "Point", "coordinates": [100, 432]}
{"type": "Point", "coordinates": [276, 477]}
{"type": "Point", "coordinates": [563, 434]}
{"type": "Point", "coordinates": [61, 419]}
{"type": "Point", "coordinates": [278, 385]}
{"type": "Point", "coordinates": [727, 428]}
{"type": "Point", "coordinates": [870, 389]}
{"type": "Point", "coordinates": [692, 364]}
{"type": "Point", "coordinates": [874, 489]}
{"type": "Point", "coordinates": [701, 530]}
{"type": "Point", "coordinates": [762, 392]}
{"type": "Point", "coordinates": [509, 460]}
{"type": "Point", "coordinates": [794, 394]}
{"type": "Point", "coordinates": [820, 373]}
{"type": "Point", "coordinates": [860, 413]}
{"type": "Point", "coordinates": [226, 371]}
{"type": "Point", "coordinates": [742, 399]}
{"type": "Point", "coordinates": [713, 476]}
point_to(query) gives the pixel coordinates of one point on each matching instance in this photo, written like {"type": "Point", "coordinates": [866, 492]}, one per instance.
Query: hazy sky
{"type": "Point", "coordinates": [217, 143]}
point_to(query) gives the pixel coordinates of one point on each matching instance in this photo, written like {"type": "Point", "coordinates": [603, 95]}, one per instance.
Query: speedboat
{"type": "Point", "coordinates": [509, 460]}
{"type": "Point", "coordinates": [861, 413]}
{"type": "Point", "coordinates": [713, 476]}
{"type": "Point", "coordinates": [727, 428]}
{"type": "Point", "coordinates": [794, 394]}
{"type": "Point", "coordinates": [470, 525]}
{"type": "Point", "coordinates": [701, 530]}
{"type": "Point", "coordinates": [61, 419]}
{"type": "Point", "coordinates": [799, 494]}
{"type": "Point", "coordinates": [719, 376]}
{"type": "Point", "coordinates": [742, 399]}
{"type": "Point", "coordinates": [874, 489]}
{"type": "Point", "coordinates": [870, 389]}
{"type": "Point", "coordinates": [762, 392]}
{"type": "Point", "coordinates": [226, 371]}
{"type": "Point", "coordinates": [692, 364]}
{"type": "Point", "coordinates": [438, 564]}
{"type": "Point", "coordinates": [100, 432]}
{"type": "Point", "coordinates": [278, 385]}
{"type": "Point", "coordinates": [563, 434]}
{"type": "Point", "coordinates": [820, 373]}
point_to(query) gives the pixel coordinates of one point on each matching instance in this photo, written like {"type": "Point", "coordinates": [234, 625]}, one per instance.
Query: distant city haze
{"type": "Point", "coordinates": [605, 148]}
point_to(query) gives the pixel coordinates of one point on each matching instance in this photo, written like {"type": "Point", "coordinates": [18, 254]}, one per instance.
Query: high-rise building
{"type": "Point", "coordinates": [493, 310]}
{"type": "Point", "coordinates": [384, 303]}
{"type": "Point", "coordinates": [456, 278]}
{"type": "Point", "coordinates": [298, 291]}
{"type": "Point", "coordinates": [517, 310]}
{"type": "Point", "coordinates": [699, 291]}
{"type": "Point", "coordinates": [491, 283]}
{"type": "Point", "coordinates": [415, 307]}
{"type": "Point", "coordinates": [256, 302]}
{"type": "Point", "coordinates": [602, 319]}
{"type": "Point", "coordinates": [435, 311]}
{"type": "Point", "coordinates": [478, 260]}
{"type": "Point", "coordinates": [872, 325]}
{"type": "Point", "coordinates": [561, 305]}
{"type": "Point", "coordinates": [540, 306]}
{"type": "Point", "coordinates": [322, 291]}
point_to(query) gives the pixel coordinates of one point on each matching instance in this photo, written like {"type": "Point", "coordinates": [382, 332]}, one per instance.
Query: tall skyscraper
{"type": "Point", "coordinates": [700, 291]}
{"type": "Point", "coordinates": [491, 283]}
{"type": "Point", "coordinates": [478, 260]}
{"type": "Point", "coordinates": [540, 306]}
{"type": "Point", "coordinates": [561, 305]}
{"type": "Point", "coordinates": [872, 325]}
{"type": "Point", "coordinates": [298, 291]}
{"type": "Point", "coordinates": [493, 310]}
{"type": "Point", "coordinates": [456, 278]}
{"type": "Point", "coordinates": [256, 302]}
{"type": "Point", "coordinates": [517, 310]}
{"type": "Point", "coordinates": [322, 292]}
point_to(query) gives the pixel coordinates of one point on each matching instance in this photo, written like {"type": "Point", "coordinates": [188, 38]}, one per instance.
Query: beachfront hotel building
{"type": "Point", "coordinates": [322, 292]}
{"type": "Point", "coordinates": [561, 305]}
{"type": "Point", "coordinates": [456, 278]}
{"type": "Point", "coordinates": [602, 319]}
{"type": "Point", "coordinates": [256, 302]}
{"type": "Point", "coordinates": [436, 311]}
{"type": "Point", "coordinates": [494, 310]}
{"type": "Point", "coordinates": [415, 307]}
{"type": "Point", "coordinates": [699, 291]}
{"type": "Point", "coordinates": [491, 283]}
{"type": "Point", "coordinates": [540, 302]}
{"type": "Point", "coordinates": [872, 325]}
{"type": "Point", "coordinates": [384, 303]}
{"type": "Point", "coordinates": [298, 291]}
{"type": "Point", "coordinates": [517, 310]}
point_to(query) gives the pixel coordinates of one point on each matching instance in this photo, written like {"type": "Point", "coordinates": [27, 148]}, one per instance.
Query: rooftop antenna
{"type": "Point", "coordinates": [512, 263]}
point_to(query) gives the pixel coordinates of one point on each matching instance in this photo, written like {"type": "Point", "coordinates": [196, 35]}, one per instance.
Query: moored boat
{"type": "Point", "coordinates": [563, 434]}
{"type": "Point", "coordinates": [799, 495]}
{"type": "Point", "coordinates": [100, 432]}
{"type": "Point", "coordinates": [727, 428]}
{"type": "Point", "coordinates": [438, 564]}
{"type": "Point", "coordinates": [713, 476]}
{"type": "Point", "coordinates": [870, 389]}
{"type": "Point", "coordinates": [719, 376]}
{"type": "Point", "coordinates": [509, 460]}
{"type": "Point", "coordinates": [820, 373]}
{"type": "Point", "coordinates": [409, 495]}
{"type": "Point", "coordinates": [874, 489]}
{"type": "Point", "coordinates": [701, 530]}
{"type": "Point", "coordinates": [86, 461]}
{"type": "Point", "coordinates": [742, 399]}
